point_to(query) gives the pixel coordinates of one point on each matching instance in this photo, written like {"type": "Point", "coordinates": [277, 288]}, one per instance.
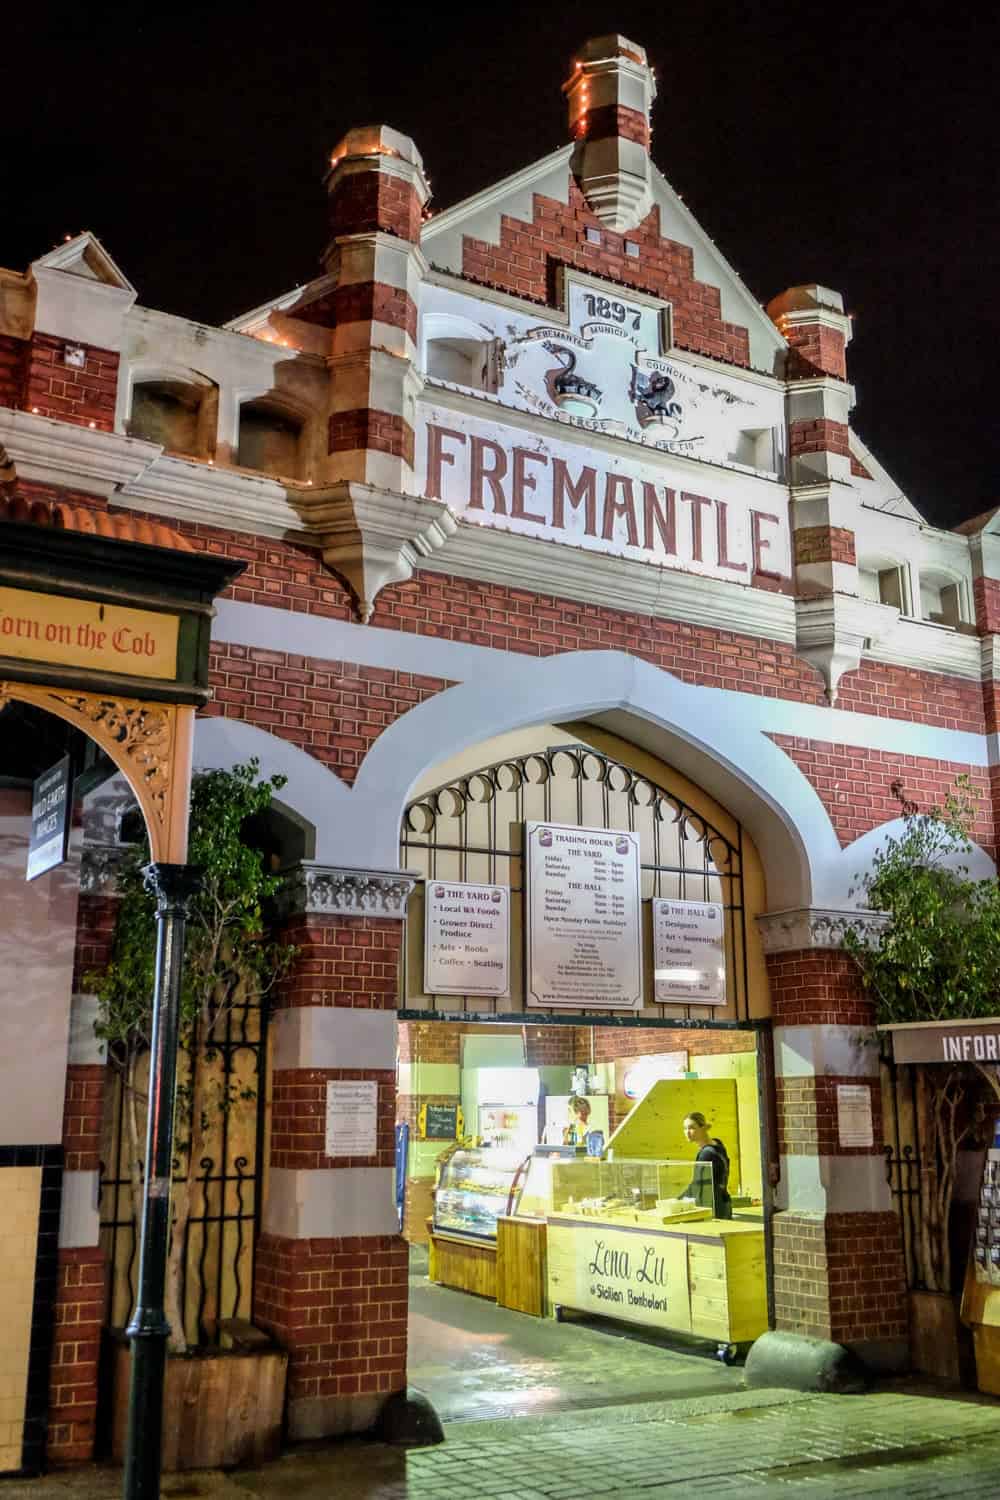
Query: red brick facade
{"type": "Point", "coordinates": [334, 709]}
{"type": "Point", "coordinates": [840, 1276]}
{"type": "Point", "coordinates": [298, 1118]}
{"type": "Point", "coordinates": [79, 1313]}
{"type": "Point", "coordinates": [377, 431]}
{"type": "Point", "coordinates": [85, 396]}
{"type": "Point", "coordinates": [819, 987]}
{"type": "Point", "coordinates": [339, 1307]}
{"type": "Point", "coordinates": [855, 786]}
{"type": "Point", "coordinates": [367, 202]}
{"type": "Point", "coordinates": [343, 961]}
{"type": "Point", "coordinates": [815, 350]}
{"type": "Point", "coordinates": [820, 435]}
{"type": "Point", "coordinates": [815, 544]}
{"type": "Point", "coordinates": [807, 1116]}
{"type": "Point", "coordinates": [528, 254]}
{"type": "Point", "coordinates": [82, 1116]}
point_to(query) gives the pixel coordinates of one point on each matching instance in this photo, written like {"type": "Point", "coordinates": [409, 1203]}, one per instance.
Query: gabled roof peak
{"type": "Point", "coordinates": [84, 255]}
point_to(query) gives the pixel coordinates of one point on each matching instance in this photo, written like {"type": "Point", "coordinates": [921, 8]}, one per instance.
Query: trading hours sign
{"type": "Point", "coordinates": [584, 930]}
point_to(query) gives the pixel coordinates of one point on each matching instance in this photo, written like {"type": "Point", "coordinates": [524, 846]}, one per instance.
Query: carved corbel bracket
{"type": "Point", "coordinates": [817, 927]}
{"type": "Point", "coordinates": [328, 890]}
{"type": "Point", "coordinates": [832, 632]}
{"type": "Point", "coordinates": [373, 538]}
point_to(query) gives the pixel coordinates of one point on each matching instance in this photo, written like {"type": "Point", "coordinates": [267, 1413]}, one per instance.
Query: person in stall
{"type": "Point", "coordinates": [712, 1150]}
{"type": "Point", "coordinates": [578, 1124]}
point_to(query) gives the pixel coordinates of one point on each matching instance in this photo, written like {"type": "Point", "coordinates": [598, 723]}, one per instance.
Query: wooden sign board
{"type": "Point", "coordinates": [635, 1274]}
{"type": "Point", "coordinates": [85, 633]}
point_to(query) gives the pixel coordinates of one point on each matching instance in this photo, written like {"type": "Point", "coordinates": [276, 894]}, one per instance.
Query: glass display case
{"type": "Point", "coordinates": [473, 1188]}
{"type": "Point", "coordinates": [637, 1192]}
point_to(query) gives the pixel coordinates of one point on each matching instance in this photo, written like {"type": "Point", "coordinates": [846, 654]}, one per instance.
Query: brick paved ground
{"type": "Point", "coordinates": [898, 1441]}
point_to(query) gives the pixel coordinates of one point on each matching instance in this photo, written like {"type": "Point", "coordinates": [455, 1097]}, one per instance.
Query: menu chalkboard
{"type": "Point", "coordinates": [440, 1122]}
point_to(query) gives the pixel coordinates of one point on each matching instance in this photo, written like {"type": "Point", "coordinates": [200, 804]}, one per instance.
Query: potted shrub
{"type": "Point", "coordinates": [229, 962]}
{"type": "Point", "coordinates": [936, 959]}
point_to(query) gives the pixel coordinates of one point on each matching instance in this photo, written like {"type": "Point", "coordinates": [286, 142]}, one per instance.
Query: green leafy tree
{"type": "Point", "coordinates": [228, 961]}
{"type": "Point", "coordinates": [936, 959]}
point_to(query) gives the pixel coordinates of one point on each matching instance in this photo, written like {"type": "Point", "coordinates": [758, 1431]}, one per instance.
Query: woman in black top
{"type": "Point", "coordinates": [712, 1150]}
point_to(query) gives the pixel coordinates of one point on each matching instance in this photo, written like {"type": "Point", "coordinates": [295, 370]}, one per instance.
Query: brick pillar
{"type": "Point", "coordinates": [331, 1270]}
{"type": "Point", "coordinates": [80, 1286]}
{"type": "Point", "coordinates": [838, 1258]}
{"type": "Point", "coordinates": [377, 191]}
{"type": "Point", "coordinates": [610, 93]}
{"type": "Point", "coordinates": [832, 621]}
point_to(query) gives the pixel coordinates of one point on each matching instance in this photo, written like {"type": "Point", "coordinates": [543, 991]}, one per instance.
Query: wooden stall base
{"type": "Point", "coordinates": [464, 1265]}
{"type": "Point", "coordinates": [522, 1265]}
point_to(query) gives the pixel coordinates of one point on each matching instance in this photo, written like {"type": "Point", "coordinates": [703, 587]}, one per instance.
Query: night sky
{"type": "Point", "coordinates": [855, 145]}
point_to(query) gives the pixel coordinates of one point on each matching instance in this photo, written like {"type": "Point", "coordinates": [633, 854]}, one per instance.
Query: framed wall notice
{"type": "Point", "coordinates": [583, 918]}
{"type": "Point", "coordinates": [351, 1118]}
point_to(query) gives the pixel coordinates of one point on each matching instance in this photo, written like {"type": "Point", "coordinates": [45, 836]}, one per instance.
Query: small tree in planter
{"type": "Point", "coordinates": [937, 959]}
{"type": "Point", "coordinates": [227, 962]}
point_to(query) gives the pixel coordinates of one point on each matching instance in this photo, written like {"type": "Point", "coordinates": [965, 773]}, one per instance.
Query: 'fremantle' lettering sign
{"type": "Point", "coordinates": [646, 510]}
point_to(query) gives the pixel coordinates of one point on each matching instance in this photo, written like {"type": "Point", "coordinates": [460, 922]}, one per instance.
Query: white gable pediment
{"type": "Point", "coordinates": [85, 256]}
{"type": "Point", "coordinates": [81, 295]}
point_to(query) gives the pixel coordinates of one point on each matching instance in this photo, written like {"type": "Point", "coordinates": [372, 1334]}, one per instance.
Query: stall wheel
{"type": "Point", "coordinates": [728, 1353]}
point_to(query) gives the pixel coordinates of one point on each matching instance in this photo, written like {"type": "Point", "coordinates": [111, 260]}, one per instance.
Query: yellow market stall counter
{"type": "Point", "coordinates": [703, 1278]}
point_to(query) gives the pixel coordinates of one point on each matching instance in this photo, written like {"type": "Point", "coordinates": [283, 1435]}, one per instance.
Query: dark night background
{"type": "Point", "coordinates": [855, 145]}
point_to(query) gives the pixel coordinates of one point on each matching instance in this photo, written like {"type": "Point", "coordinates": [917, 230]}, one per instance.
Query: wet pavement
{"type": "Point", "coordinates": [600, 1414]}
{"type": "Point", "coordinates": [476, 1361]}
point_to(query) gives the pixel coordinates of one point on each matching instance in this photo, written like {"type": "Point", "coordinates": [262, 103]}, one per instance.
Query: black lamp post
{"type": "Point", "coordinates": [173, 886]}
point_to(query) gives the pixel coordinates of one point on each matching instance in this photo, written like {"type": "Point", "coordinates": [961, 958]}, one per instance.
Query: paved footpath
{"type": "Point", "coordinates": [900, 1440]}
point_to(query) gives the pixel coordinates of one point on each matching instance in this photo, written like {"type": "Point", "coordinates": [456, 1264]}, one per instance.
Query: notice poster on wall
{"type": "Point", "coordinates": [466, 939]}
{"type": "Point", "coordinates": [583, 915]}
{"type": "Point", "coordinates": [351, 1118]}
{"type": "Point", "coordinates": [854, 1115]}
{"type": "Point", "coordinates": [689, 953]}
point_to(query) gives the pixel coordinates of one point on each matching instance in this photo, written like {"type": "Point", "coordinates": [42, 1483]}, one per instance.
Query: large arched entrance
{"type": "Point", "coordinates": [515, 1219]}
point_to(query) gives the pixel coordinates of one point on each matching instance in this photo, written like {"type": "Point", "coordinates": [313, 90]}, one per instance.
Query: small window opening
{"type": "Point", "coordinates": [269, 440]}
{"type": "Point", "coordinates": [460, 362]}
{"type": "Point", "coordinates": [181, 418]}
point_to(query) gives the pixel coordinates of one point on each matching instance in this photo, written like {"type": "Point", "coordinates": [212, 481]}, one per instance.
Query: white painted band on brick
{"type": "Point", "coordinates": [838, 1051]}
{"type": "Point", "coordinates": [834, 1185]}
{"type": "Point", "coordinates": [328, 1037]}
{"type": "Point", "coordinates": [79, 1217]}
{"type": "Point", "coordinates": [84, 1048]}
{"type": "Point", "coordinates": [431, 1078]}
{"type": "Point", "coordinates": [330, 1202]}
{"type": "Point", "coordinates": [368, 645]}
{"type": "Point", "coordinates": [690, 727]}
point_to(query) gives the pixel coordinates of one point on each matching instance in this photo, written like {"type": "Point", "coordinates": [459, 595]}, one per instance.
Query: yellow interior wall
{"type": "Point", "coordinates": [523, 742]}
{"type": "Point", "coordinates": [741, 1066]}
{"type": "Point", "coordinates": [654, 1127]}
{"type": "Point", "coordinates": [20, 1195]}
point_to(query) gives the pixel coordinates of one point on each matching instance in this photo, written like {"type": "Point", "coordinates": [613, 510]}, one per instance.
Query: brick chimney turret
{"type": "Point", "coordinates": [610, 92]}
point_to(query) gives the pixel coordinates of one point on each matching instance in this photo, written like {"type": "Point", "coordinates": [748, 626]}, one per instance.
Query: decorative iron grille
{"type": "Point", "coordinates": [471, 829]}
{"type": "Point", "coordinates": [903, 1160]}
{"type": "Point", "coordinates": [217, 1267]}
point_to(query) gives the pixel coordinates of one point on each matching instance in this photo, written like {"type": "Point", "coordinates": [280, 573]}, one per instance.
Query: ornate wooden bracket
{"type": "Point", "coordinates": [150, 743]}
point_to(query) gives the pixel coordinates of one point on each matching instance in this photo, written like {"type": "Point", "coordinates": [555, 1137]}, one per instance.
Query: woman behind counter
{"type": "Point", "coordinates": [712, 1150]}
